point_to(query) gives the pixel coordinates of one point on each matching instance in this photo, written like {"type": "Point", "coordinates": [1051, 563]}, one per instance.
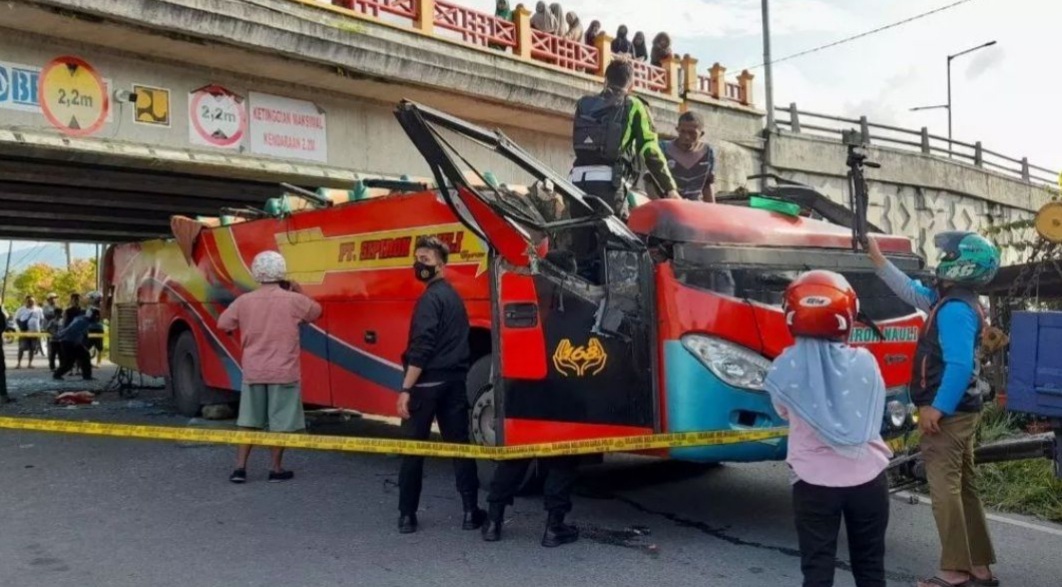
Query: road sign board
{"type": "Point", "coordinates": [218, 117]}
{"type": "Point", "coordinates": [73, 96]}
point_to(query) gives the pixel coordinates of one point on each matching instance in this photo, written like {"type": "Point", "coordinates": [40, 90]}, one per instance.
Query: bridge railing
{"type": "Point", "coordinates": [804, 122]}
{"type": "Point", "coordinates": [676, 78]}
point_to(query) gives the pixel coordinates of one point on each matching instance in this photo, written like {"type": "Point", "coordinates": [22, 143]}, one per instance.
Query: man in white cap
{"type": "Point", "coordinates": [268, 320]}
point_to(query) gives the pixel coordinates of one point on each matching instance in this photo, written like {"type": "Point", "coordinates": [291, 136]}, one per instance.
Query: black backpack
{"type": "Point", "coordinates": [600, 123]}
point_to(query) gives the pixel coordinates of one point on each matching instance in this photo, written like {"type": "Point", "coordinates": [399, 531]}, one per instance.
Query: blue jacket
{"type": "Point", "coordinates": [77, 331]}
{"type": "Point", "coordinates": [957, 324]}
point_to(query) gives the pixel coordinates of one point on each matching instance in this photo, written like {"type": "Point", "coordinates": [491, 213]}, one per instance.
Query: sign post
{"type": "Point", "coordinates": [217, 118]}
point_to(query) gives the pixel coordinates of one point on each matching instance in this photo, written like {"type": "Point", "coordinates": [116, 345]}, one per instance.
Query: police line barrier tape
{"type": "Point", "coordinates": [395, 446]}
{"type": "Point", "coordinates": [42, 335]}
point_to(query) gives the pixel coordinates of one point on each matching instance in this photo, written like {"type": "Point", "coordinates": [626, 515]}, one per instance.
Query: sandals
{"type": "Point", "coordinates": [938, 582]}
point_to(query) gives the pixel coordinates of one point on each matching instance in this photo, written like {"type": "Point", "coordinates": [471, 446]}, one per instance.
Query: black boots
{"type": "Point", "coordinates": [495, 517]}
{"type": "Point", "coordinates": [407, 523]}
{"type": "Point", "coordinates": [473, 519]}
{"type": "Point", "coordinates": [557, 532]}
{"type": "Point", "coordinates": [474, 516]}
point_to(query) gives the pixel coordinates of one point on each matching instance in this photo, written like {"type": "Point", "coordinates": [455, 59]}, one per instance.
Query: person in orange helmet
{"type": "Point", "coordinates": [833, 396]}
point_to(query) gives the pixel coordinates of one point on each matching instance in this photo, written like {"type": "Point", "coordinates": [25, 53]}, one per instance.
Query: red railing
{"type": "Point", "coordinates": [706, 85]}
{"type": "Point", "coordinates": [406, 8]}
{"type": "Point", "coordinates": [650, 77]}
{"type": "Point", "coordinates": [475, 27]}
{"type": "Point", "coordinates": [734, 93]}
{"type": "Point", "coordinates": [566, 53]}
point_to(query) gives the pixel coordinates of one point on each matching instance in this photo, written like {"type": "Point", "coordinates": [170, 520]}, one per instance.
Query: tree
{"type": "Point", "coordinates": [80, 278]}
{"type": "Point", "coordinates": [37, 280]}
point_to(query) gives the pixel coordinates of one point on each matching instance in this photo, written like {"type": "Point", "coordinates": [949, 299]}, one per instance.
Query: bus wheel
{"type": "Point", "coordinates": [483, 419]}
{"type": "Point", "coordinates": [186, 377]}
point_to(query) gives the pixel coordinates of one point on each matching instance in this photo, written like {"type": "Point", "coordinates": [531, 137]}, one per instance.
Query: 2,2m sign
{"type": "Point", "coordinates": [217, 117]}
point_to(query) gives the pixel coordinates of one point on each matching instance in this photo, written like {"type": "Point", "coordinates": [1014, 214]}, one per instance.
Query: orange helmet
{"type": "Point", "coordinates": [820, 304]}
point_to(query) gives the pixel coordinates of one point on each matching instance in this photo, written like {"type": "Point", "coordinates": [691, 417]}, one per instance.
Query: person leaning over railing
{"type": "Point", "coordinates": [502, 11]}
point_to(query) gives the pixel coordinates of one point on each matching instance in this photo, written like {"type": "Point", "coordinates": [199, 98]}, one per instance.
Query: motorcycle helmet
{"type": "Point", "coordinates": [966, 258]}
{"type": "Point", "coordinates": [820, 304]}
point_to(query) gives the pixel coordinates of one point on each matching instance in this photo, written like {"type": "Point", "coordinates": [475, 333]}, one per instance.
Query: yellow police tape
{"type": "Point", "coordinates": [395, 446]}
{"type": "Point", "coordinates": [41, 335]}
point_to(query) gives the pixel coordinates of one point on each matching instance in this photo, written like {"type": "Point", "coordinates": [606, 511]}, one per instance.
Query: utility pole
{"type": "Point", "coordinates": [66, 249]}
{"type": "Point", "coordinates": [768, 78]}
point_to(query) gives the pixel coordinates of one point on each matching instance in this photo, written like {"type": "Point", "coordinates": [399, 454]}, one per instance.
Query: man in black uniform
{"type": "Point", "coordinates": [436, 363]}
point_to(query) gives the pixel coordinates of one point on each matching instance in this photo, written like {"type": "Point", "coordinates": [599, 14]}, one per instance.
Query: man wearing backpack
{"type": "Point", "coordinates": [611, 131]}
{"type": "Point", "coordinates": [945, 388]}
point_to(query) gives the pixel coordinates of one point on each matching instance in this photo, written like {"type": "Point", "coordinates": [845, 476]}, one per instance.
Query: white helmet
{"type": "Point", "coordinates": [269, 267]}
{"type": "Point", "coordinates": [94, 297]}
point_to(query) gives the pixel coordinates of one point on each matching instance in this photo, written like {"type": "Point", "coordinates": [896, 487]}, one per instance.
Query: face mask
{"type": "Point", "coordinates": [424, 272]}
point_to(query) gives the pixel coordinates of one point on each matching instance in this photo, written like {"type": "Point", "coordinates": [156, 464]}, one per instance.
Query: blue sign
{"type": "Point", "coordinates": [18, 87]}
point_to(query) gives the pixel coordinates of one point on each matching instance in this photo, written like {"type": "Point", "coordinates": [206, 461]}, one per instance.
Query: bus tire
{"type": "Point", "coordinates": [186, 376]}
{"type": "Point", "coordinates": [482, 420]}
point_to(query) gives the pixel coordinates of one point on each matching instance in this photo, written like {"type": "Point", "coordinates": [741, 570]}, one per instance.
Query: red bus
{"type": "Point", "coordinates": [673, 332]}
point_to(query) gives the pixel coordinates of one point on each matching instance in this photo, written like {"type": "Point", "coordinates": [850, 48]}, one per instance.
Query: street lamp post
{"type": "Point", "coordinates": [948, 105]}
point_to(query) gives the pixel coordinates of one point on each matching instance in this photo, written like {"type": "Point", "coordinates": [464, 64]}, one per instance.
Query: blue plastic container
{"type": "Point", "coordinates": [1034, 381]}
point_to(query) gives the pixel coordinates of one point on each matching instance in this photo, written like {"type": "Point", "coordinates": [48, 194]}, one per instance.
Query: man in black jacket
{"type": "Point", "coordinates": [436, 363]}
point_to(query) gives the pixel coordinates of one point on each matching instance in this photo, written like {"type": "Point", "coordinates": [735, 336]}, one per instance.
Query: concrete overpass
{"type": "Point", "coordinates": [300, 91]}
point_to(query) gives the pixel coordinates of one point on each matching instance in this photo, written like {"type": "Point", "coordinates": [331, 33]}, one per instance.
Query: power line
{"type": "Point", "coordinates": [865, 34]}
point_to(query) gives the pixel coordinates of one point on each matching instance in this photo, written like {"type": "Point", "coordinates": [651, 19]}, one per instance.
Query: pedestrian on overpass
{"type": "Point", "coordinates": [268, 319]}
{"type": "Point", "coordinates": [833, 396]}
{"type": "Point", "coordinates": [436, 364]}
{"type": "Point", "coordinates": [946, 390]}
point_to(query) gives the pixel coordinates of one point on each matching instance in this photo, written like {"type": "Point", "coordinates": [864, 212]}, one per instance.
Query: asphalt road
{"type": "Point", "coordinates": [91, 511]}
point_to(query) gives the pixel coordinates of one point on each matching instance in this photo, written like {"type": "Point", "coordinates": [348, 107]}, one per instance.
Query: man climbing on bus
{"type": "Point", "coordinates": [944, 386]}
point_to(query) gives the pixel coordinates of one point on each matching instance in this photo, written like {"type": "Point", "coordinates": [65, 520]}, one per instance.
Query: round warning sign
{"type": "Point", "coordinates": [73, 96]}
{"type": "Point", "coordinates": [218, 117]}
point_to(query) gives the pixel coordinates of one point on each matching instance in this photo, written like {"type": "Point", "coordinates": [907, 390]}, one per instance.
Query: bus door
{"type": "Point", "coordinates": [574, 357]}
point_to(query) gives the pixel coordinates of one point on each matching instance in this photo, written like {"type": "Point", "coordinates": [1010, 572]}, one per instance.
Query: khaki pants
{"type": "Point", "coordinates": [948, 455]}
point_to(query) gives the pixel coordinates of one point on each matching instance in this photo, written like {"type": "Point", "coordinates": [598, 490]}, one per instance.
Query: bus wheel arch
{"type": "Point", "coordinates": [186, 374]}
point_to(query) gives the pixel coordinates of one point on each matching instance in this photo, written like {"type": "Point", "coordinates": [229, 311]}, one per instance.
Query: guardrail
{"type": "Point", "coordinates": [677, 78]}
{"type": "Point", "coordinates": [803, 122]}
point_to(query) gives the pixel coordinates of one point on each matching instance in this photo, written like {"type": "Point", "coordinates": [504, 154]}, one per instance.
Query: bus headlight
{"type": "Point", "coordinates": [734, 364]}
{"type": "Point", "coordinates": [897, 413]}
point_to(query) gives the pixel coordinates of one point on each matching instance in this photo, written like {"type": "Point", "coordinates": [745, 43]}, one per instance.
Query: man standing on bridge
{"type": "Point", "coordinates": [433, 388]}
{"type": "Point", "coordinates": [268, 319]}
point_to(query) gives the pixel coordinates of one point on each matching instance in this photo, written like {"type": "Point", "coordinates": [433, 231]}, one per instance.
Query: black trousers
{"type": "Point", "coordinates": [447, 403]}
{"type": "Point", "coordinates": [54, 353]}
{"type": "Point", "coordinates": [585, 240]}
{"type": "Point", "coordinates": [3, 376]}
{"type": "Point", "coordinates": [561, 473]}
{"type": "Point", "coordinates": [74, 353]}
{"type": "Point", "coordinates": [865, 509]}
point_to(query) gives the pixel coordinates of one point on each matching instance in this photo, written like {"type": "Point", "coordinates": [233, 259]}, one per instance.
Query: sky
{"type": "Point", "coordinates": [1004, 96]}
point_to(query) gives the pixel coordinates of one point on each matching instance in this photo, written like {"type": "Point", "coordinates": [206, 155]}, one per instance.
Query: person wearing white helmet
{"type": "Point", "coordinates": [268, 320]}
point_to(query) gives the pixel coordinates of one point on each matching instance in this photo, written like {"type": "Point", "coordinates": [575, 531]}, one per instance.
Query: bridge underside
{"type": "Point", "coordinates": [52, 200]}
{"type": "Point", "coordinates": [94, 191]}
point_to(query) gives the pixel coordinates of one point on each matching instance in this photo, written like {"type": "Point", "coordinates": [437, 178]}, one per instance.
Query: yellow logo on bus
{"type": "Point", "coordinates": [579, 361]}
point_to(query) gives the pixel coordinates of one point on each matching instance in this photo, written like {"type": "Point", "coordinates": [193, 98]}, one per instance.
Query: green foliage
{"type": "Point", "coordinates": [41, 279]}
{"type": "Point", "coordinates": [1026, 487]}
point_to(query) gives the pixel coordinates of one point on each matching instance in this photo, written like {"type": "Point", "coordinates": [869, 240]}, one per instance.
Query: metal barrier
{"type": "Point", "coordinates": [803, 122]}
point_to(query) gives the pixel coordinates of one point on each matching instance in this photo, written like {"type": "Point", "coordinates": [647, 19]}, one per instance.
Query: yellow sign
{"type": "Point", "coordinates": [73, 96]}
{"type": "Point", "coordinates": [580, 361]}
{"type": "Point", "coordinates": [152, 105]}
{"type": "Point", "coordinates": [311, 255]}
{"type": "Point", "coordinates": [400, 447]}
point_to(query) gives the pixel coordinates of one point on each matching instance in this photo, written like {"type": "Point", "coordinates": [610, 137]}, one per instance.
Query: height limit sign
{"type": "Point", "coordinates": [73, 96]}
{"type": "Point", "coordinates": [217, 118]}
